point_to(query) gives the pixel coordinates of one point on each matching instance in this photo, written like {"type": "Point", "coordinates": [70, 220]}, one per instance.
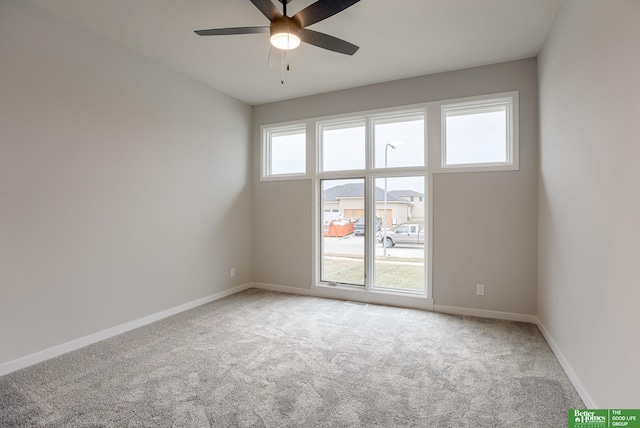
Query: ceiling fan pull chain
{"type": "Point", "coordinates": [282, 67]}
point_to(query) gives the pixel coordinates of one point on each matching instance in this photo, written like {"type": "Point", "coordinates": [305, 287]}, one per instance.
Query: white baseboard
{"type": "Point", "coordinates": [582, 392]}
{"type": "Point", "coordinates": [482, 313]}
{"type": "Point", "coordinates": [52, 352]}
{"type": "Point", "coordinates": [282, 288]}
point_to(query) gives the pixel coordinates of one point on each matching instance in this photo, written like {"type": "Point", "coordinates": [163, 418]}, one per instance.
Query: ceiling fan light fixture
{"type": "Point", "coordinates": [285, 35]}
{"type": "Point", "coordinates": [285, 41]}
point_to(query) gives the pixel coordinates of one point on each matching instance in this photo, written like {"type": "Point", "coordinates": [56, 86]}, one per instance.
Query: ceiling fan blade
{"type": "Point", "coordinates": [229, 31]}
{"type": "Point", "coordinates": [267, 8]}
{"type": "Point", "coordinates": [326, 41]}
{"type": "Point", "coordinates": [322, 9]}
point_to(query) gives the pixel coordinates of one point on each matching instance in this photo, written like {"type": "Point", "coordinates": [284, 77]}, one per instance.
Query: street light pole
{"type": "Point", "coordinates": [384, 214]}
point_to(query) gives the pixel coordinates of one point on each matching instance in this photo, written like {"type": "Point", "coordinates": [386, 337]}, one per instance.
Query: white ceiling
{"type": "Point", "coordinates": [397, 39]}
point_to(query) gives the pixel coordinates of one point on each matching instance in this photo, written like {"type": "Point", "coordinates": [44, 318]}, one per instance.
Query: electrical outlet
{"type": "Point", "coordinates": [233, 272]}
{"type": "Point", "coordinates": [480, 289]}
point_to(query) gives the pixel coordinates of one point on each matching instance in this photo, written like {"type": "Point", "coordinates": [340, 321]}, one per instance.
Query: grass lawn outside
{"type": "Point", "coordinates": [395, 273]}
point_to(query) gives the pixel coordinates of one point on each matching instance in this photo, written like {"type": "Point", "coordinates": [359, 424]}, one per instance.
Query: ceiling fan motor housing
{"type": "Point", "coordinates": [284, 24]}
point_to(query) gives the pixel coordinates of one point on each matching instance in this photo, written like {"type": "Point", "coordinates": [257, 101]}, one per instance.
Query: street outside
{"type": "Point", "coordinates": [354, 245]}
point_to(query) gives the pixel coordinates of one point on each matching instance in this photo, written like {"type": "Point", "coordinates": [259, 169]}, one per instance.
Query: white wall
{"type": "Point", "coordinates": [485, 224]}
{"type": "Point", "coordinates": [124, 190]}
{"type": "Point", "coordinates": [589, 196]}
{"type": "Point", "coordinates": [124, 187]}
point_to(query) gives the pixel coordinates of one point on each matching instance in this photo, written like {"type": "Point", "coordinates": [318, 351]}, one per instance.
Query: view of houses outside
{"type": "Point", "coordinates": [342, 250]}
{"type": "Point", "coordinates": [401, 264]}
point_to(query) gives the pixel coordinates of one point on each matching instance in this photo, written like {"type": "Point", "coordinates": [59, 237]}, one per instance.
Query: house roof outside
{"type": "Point", "coordinates": [405, 193]}
{"type": "Point", "coordinates": [356, 190]}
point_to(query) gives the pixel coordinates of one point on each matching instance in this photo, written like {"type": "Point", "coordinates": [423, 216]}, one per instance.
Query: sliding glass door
{"type": "Point", "coordinates": [399, 262]}
{"type": "Point", "coordinates": [343, 229]}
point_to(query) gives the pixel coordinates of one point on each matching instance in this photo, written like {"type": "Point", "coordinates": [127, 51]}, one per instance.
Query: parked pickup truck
{"type": "Point", "coordinates": [405, 233]}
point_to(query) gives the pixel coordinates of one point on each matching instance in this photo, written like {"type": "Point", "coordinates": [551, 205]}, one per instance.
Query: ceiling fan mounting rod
{"type": "Point", "coordinates": [284, 6]}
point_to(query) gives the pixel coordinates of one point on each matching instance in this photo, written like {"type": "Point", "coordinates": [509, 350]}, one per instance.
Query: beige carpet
{"type": "Point", "coordinates": [264, 359]}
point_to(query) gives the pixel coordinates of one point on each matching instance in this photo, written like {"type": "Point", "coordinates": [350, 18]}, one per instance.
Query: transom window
{"type": "Point", "coordinates": [403, 130]}
{"type": "Point", "coordinates": [479, 134]}
{"type": "Point", "coordinates": [284, 152]}
{"type": "Point", "coordinates": [342, 146]}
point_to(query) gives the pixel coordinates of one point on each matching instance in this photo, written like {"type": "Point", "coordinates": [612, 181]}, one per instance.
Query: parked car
{"type": "Point", "coordinates": [358, 228]}
{"type": "Point", "coordinates": [405, 233]}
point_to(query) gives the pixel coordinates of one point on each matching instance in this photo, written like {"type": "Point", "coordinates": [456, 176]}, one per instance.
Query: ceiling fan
{"type": "Point", "coordinates": [287, 32]}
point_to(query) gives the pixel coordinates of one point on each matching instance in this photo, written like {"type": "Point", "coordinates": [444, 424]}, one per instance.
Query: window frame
{"type": "Point", "coordinates": [266, 132]}
{"type": "Point", "coordinates": [394, 117]}
{"type": "Point", "coordinates": [510, 99]}
{"type": "Point", "coordinates": [320, 263]}
{"type": "Point", "coordinates": [338, 124]}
